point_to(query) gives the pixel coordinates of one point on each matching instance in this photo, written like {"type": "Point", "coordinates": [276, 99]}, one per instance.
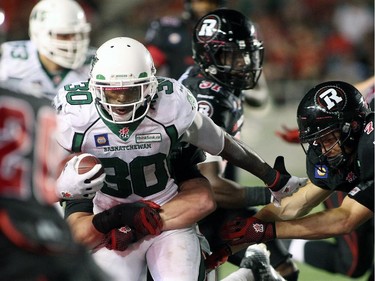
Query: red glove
{"type": "Point", "coordinates": [142, 216]}
{"type": "Point", "coordinates": [289, 135]}
{"type": "Point", "coordinates": [119, 239]}
{"type": "Point", "coordinates": [247, 230]}
{"type": "Point", "coordinates": [217, 258]}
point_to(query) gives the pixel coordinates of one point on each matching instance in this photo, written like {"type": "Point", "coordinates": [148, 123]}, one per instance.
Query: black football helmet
{"type": "Point", "coordinates": [226, 48]}
{"type": "Point", "coordinates": [329, 107]}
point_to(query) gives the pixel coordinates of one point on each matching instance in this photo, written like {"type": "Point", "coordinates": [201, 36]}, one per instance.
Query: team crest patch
{"type": "Point", "coordinates": [351, 177]}
{"type": "Point", "coordinates": [148, 138]}
{"type": "Point", "coordinates": [205, 108]}
{"type": "Point", "coordinates": [321, 172]}
{"type": "Point", "coordinates": [124, 132]}
{"type": "Point", "coordinates": [101, 140]}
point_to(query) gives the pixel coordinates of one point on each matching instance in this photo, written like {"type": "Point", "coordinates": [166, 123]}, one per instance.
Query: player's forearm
{"type": "Point", "coordinates": [83, 230]}
{"type": "Point", "coordinates": [240, 155]}
{"type": "Point", "coordinates": [320, 225]}
{"type": "Point", "coordinates": [194, 202]}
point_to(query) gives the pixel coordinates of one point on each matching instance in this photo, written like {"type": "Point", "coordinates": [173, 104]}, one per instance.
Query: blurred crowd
{"type": "Point", "coordinates": [304, 39]}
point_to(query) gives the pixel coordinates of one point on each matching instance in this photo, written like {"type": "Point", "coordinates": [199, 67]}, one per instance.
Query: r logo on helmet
{"type": "Point", "coordinates": [208, 29]}
{"type": "Point", "coordinates": [331, 98]}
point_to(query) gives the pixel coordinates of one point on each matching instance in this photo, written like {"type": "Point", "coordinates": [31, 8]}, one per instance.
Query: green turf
{"type": "Point", "coordinates": [307, 273]}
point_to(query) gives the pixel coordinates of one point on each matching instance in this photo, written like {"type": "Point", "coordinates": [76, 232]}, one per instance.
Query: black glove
{"type": "Point", "coordinates": [142, 216]}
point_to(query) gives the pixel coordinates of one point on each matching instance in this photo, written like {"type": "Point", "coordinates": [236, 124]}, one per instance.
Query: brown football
{"type": "Point", "coordinates": [86, 162]}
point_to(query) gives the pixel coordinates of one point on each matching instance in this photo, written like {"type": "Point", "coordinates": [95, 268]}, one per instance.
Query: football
{"type": "Point", "coordinates": [86, 162]}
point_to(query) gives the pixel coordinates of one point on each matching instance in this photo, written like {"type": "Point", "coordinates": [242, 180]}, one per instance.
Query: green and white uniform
{"type": "Point", "coordinates": [21, 68]}
{"type": "Point", "coordinates": [136, 160]}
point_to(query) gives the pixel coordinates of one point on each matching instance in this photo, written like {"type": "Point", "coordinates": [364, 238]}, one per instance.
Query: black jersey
{"type": "Point", "coordinates": [359, 174]}
{"type": "Point", "coordinates": [172, 36]}
{"type": "Point", "coordinates": [221, 104]}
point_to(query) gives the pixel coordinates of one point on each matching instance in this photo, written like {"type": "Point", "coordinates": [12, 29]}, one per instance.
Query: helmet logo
{"type": "Point", "coordinates": [330, 98]}
{"type": "Point", "coordinates": [208, 29]}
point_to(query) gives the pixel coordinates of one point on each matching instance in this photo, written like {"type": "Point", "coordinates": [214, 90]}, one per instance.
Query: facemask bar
{"type": "Point", "coordinates": [146, 93]}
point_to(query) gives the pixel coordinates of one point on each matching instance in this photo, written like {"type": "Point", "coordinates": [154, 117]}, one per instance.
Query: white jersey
{"type": "Point", "coordinates": [22, 70]}
{"type": "Point", "coordinates": [135, 156]}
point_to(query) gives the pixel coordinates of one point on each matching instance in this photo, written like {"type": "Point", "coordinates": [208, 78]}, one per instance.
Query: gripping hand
{"type": "Point", "coordinates": [119, 239]}
{"type": "Point", "coordinates": [217, 258]}
{"type": "Point", "coordinates": [71, 185]}
{"type": "Point", "coordinates": [285, 184]}
{"type": "Point", "coordinates": [251, 230]}
{"type": "Point", "coordinates": [142, 216]}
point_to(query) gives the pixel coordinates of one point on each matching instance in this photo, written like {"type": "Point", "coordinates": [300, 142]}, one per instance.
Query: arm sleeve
{"type": "Point", "coordinates": [184, 160]}
{"type": "Point", "coordinates": [79, 205]}
{"type": "Point", "coordinates": [204, 134]}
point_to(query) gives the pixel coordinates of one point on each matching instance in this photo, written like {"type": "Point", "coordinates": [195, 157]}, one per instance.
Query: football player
{"type": "Point", "coordinates": [169, 38]}
{"type": "Point", "coordinates": [36, 243]}
{"type": "Point", "coordinates": [57, 53]}
{"type": "Point", "coordinates": [131, 119]}
{"type": "Point", "coordinates": [346, 246]}
{"type": "Point", "coordinates": [228, 60]}
{"type": "Point", "coordinates": [338, 128]}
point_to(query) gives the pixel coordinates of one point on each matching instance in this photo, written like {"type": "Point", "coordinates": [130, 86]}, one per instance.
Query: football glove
{"type": "Point", "coordinates": [217, 258]}
{"type": "Point", "coordinates": [247, 230]}
{"type": "Point", "coordinates": [289, 135]}
{"type": "Point", "coordinates": [71, 185]}
{"type": "Point", "coordinates": [142, 216]}
{"type": "Point", "coordinates": [119, 239]}
{"type": "Point", "coordinates": [284, 184]}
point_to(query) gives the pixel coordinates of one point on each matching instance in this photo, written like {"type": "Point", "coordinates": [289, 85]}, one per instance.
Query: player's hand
{"type": "Point", "coordinates": [286, 184]}
{"type": "Point", "coordinates": [289, 135]}
{"type": "Point", "coordinates": [217, 258]}
{"type": "Point", "coordinates": [250, 230]}
{"type": "Point", "coordinates": [71, 185]}
{"type": "Point", "coordinates": [142, 216]}
{"type": "Point", "coordinates": [119, 239]}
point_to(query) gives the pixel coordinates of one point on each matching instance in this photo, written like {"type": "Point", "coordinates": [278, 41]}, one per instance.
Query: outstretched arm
{"type": "Point", "coordinates": [205, 134]}
{"type": "Point", "coordinates": [328, 223]}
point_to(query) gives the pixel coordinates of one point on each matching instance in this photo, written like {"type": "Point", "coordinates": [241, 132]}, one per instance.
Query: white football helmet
{"type": "Point", "coordinates": [122, 78]}
{"type": "Point", "coordinates": [60, 32]}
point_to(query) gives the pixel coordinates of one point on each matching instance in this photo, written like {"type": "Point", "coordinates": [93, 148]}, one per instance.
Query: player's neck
{"type": "Point", "coordinates": [49, 65]}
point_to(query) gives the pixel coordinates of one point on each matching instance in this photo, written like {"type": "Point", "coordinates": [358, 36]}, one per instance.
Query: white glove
{"type": "Point", "coordinates": [71, 185]}
{"type": "Point", "coordinates": [293, 184]}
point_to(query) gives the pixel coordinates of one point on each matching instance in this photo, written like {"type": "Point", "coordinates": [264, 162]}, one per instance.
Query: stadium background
{"type": "Point", "coordinates": [306, 41]}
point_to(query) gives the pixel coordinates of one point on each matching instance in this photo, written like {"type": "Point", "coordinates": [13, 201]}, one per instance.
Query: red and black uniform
{"type": "Point", "coordinates": [36, 243]}
{"type": "Point", "coordinates": [225, 107]}
{"type": "Point", "coordinates": [350, 254]}
{"type": "Point", "coordinates": [169, 41]}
